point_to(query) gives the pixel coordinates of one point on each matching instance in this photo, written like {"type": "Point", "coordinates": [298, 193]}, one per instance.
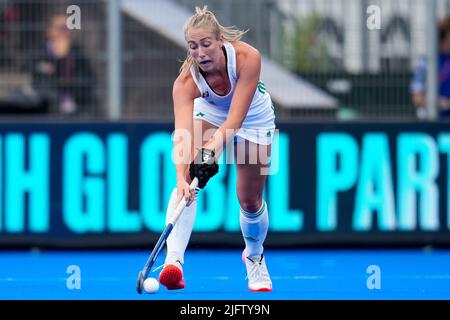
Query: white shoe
{"type": "Point", "coordinates": [257, 274]}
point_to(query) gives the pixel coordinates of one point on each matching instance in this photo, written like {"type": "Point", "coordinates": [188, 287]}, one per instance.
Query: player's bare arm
{"type": "Point", "coordinates": [184, 93]}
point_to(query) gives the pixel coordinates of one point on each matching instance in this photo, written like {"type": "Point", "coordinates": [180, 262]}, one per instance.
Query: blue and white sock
{"type": "Point", "coordinates": [179, 237]}
{"type": "Point", "coordinates": [254, 228]}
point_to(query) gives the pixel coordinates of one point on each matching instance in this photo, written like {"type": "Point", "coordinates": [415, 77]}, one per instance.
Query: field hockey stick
{"type": "Point", "coordinates": [143, 274]}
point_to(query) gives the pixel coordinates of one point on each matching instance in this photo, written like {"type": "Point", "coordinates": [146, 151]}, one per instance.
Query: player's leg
{"type": "Point", "coordinates": [250, 185]}
{"type": "Point", "coordinates": [172, 274]}
{"type": "Point", "coordinates": [254, 218]}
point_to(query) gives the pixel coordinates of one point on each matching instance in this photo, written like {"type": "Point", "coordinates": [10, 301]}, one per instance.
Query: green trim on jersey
{"type": "Point", "coordinates": [261, 87]}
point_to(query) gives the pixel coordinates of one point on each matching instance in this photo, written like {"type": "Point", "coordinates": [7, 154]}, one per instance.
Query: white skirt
{"type": "Point", "coordinates": [258, 126]}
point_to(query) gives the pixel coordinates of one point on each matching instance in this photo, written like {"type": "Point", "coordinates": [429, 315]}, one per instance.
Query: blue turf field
{"type": "Point", "coordinates": [220, 275]}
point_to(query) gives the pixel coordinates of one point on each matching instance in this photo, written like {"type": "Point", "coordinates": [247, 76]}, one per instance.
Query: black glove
{"type": "Point", "coordinates": [203, 167]}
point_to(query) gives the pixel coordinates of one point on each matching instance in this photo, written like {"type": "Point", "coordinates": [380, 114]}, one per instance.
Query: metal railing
{"type": "Point", "coordinates": [327, 42]}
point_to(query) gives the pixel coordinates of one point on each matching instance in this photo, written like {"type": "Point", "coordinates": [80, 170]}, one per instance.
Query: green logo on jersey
{"type": "Point", "coordinates": [200, 114]}
{"type": "Point", "coordinates": [261, 87]}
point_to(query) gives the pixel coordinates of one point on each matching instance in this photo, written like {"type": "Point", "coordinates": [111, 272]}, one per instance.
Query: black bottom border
{"type": "Point", "coordinates": [225, 309]}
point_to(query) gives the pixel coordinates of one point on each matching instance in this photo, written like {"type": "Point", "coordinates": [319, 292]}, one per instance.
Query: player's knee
{"type": "Point", "coordinates": [251, 204]}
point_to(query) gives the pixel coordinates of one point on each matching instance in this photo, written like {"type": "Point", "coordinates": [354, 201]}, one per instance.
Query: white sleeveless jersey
{"type": "Point", "coordinates": [213, 108]}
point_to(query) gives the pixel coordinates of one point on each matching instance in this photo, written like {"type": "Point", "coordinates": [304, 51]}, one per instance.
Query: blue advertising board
{"type": "Point", "coordinates": [108, 184]}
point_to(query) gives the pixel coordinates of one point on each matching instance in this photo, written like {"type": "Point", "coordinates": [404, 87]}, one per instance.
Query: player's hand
{"type": "Point", "coordinates": [183, 189]}
{"type": "Point", "coordinates": [204, 167]}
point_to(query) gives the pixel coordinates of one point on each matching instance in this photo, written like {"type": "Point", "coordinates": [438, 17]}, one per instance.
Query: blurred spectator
{"type": "Point", "coordinates": [8, 17]}
{"type": "Point", "coordinates": [62, 74]}
{"type": "Point", "coordinates": [418, 84]}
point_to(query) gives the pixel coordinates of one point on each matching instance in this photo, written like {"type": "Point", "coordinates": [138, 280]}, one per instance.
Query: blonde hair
{"type": "Point", "coordinates": [204, 18]}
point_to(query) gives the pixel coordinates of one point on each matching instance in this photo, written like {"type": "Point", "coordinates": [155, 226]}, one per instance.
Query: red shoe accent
{"type": "Point", "coordinates": [261, 290]}
{"type": "Point", "coordinates": [172, 278]}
